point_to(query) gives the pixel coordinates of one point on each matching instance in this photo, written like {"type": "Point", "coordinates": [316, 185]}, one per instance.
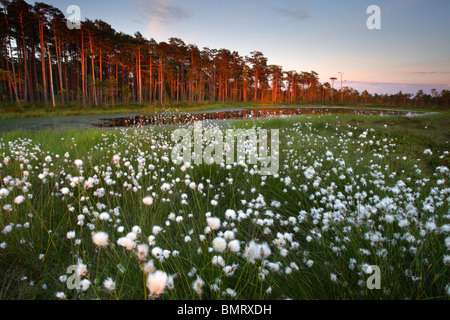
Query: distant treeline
{"type": "Point", "coordinates": [42, 60]}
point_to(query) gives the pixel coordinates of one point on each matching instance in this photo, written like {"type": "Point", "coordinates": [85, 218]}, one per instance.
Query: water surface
{"type": "Point", "coordinates": [141, 120]}
{"type": "Point", "coordinates": [236, 114]}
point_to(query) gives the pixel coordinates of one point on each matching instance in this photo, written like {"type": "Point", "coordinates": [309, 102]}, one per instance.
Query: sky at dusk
{"type": "Point", "coordinates": [410, 52]}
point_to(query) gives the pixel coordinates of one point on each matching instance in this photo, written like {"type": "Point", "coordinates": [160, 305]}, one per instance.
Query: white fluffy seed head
{"type": "Point", "coordinates": [230, 214]}
{"type": "Point", "coordinates": [19, 199]}
{"type": "Point", "coordinates": [197, 285]}
{"type": "Point", "coordinates": [81, 269]}
{"type": "Point", "coordinates": [100, 239]}
{"type": "Point", "coordinates": [228, 235]}
{"type": "Point", "coordinates": [148, 201]}
{"type": "Point", "coordinates": [78, 163]}
{"type": "Point", "coordinates": [213, 223]}
{"type": "Point", "coordinates": [219, 244]}
{"type": "Point", "coordinates": [142, 251]}
{"type": "Point", "coordinates": [85, 284]}
{"type": "Point", "coordinates": [109, 284]}
{"type": "Point", "coordinates": [116, 159]}
{"type": "Point", "coordinates": [234, 246]}
{"type": "Point", "coordinates": [156, 282]}
{"type": "Point", "coordinates": [149, 267]}
{"type": "Point", "coordinates": [127, 243]}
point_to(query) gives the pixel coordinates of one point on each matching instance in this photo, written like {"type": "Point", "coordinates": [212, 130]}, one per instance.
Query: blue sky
{"type": "Point", "coordinates": [410, 52]}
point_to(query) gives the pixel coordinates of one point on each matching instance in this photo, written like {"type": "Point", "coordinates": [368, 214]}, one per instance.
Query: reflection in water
{"type": "Point", "coordinates": [178, 118]}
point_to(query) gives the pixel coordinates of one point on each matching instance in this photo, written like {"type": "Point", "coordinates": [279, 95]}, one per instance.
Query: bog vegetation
{"type": "Point", "coordinates": [352, 192]}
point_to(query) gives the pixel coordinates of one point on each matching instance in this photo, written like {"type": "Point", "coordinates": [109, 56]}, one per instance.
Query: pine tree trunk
{"type": "Point", "coordinates": [139, 76]}
{"type": "Point", "coordinates": [83, 69]}
{"type": "Point", "coordinates": [93, 72]}
{"type": "Point", "coordinates": [150, 78]}
{"type": "Point", "coordinates": [51, 77]}
{"type": "Point", "coordinates": [44, 81]}
{"type": "Point", "coordinates": [24, 57]}
{"type": "Point", "coordinates": [58, 64]}
{"type": "Point", "coordinates": [255, 98]}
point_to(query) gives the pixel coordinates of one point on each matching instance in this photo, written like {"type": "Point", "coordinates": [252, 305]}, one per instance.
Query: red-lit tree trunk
{"type": "Point", "coordinates": [83, 69]}
{"type": "Point", "coordinates": [41, 39]}
{"type": "Point", "coordinates": [52, 94]}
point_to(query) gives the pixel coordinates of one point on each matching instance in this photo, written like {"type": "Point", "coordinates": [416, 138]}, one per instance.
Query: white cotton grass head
{"type": "Point", "coordinates": [100, 239]}
{"type": "Point", "coordinates": [85, 284]}
{"type": "Point", "coordinates": [218, 261]}
{"type": "Point", "coordinates": [234, 246]}
{"type": "Point", "coordinates": [7, 229]}
{"type": "Point", "coordinates": [446, 260]}
{"type": "Point", "coordinates": [4, 192]}
{"type": "Point", "coordinates": [148, 201]}
{"type": "Point", "coordinates": [127, 243]}
{"type": "Point", "coordinates": [136, 230]}
{"type": "Point", "coordinates": [132, 236]}
{"type": "Point", "coordinates": [142, 251]}
{"type": "Point", "coordinates": [156, 230]}
{"type": "Point", "coordinates": [230, 214]}
{"type": "Point", "coordinates": [179, 219]}
{"type": "Point", "coordinates": [157, 252]}
{"type": "Point", "coordinates": [445, 228]}
{"type": "Point", "coordinates": [214, 223]}
{"type": "Point", "coordinates": [228, 235]}
{"type": "Point", "coordinates": [104, 216]}
{"type": "Point", "coordinates": [309, 173]}
{"type": "Point", "coordinates": [78, 163]}
{"type": "Point", "coordinates": [229, 270]}
{"type": "Point", "coordinates": [251, 251]}
{"type": "Point", "coordinates": [61, 295]}
{"type": "Point", "coordinates": [256, 251]}
{"type": "Point", "coordinates": [197, 285]}
{"type": "Point", "coordinates": [81, 269]}
{"type": "Point", "coordinates": [116, 159]}
{"type": "Point", "coordinates": [265, 251]}
{"type": "Point", "coordinates": [165, 187]}
{"type": "Point", "coordinates": [149, 267]}
{"type": "Point", "coordinates": [230, 292]}
{"type": "Point", "coordinates": [219, 244]}
{"type": "Point", "coordinates": [109, 284]}
{"type": "Point", "coordinates": [156, 283]}
{"type": "Point", "coordinates": [19, 199]}
{"type": "Point", "coordinates": [430, 226]}
{"type": "Point", "coordinates": [284, 252]}
{"type": "Point", "coordinates": [170, 282]}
